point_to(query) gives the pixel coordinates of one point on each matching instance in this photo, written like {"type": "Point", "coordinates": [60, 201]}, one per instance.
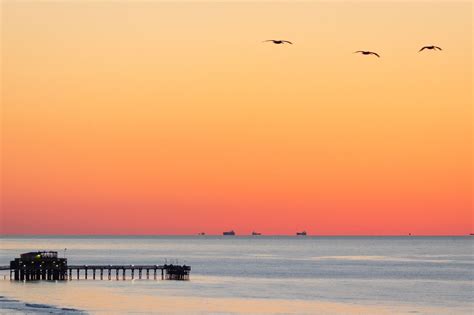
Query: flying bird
{"type": "Point", "coordinates": [366, 52]}
{"type": "Point", "coordinates": [278, 41]}
{"type": "Point", "coordinates": [432, 47]}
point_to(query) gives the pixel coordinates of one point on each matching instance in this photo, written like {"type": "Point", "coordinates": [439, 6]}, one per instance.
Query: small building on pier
{"type": "Point", "coordinates": [176, 272]}
{"type": "Point", "coordinates": [39, 266]}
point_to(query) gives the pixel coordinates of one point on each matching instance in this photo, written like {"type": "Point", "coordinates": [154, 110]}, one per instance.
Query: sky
{"type": "Point", "coordinates": [156, 117]}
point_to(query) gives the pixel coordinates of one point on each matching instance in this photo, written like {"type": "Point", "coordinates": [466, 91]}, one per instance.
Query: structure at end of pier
{"type": "Point", "coordinates": [177, 272]}
{"type": "Point", "coordinates": [39, 266]}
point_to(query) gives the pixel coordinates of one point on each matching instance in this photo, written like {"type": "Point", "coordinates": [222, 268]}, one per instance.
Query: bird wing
{"type": "Point", "coordinates": [375, 54]}
{"type": "Point", "coordinates": [286, 41]}
{"type": "Point", "coordinates": [268, 40]}
{"type": "Point", "coordinates": [438, 47]}
{"type": "Point", "coordinates": [424, 47]}
{"type": "Point", "coordinates": [359, 51]}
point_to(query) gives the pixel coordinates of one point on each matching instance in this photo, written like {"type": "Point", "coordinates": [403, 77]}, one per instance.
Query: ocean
{"type": "Point", "coordinates": [253, 275]}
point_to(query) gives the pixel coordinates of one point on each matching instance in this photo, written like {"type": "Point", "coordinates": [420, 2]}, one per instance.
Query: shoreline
{"type": "Point", "coordinates": [194, 305]}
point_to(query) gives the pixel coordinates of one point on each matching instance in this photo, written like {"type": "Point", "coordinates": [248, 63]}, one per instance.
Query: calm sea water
{"type": "Point", "coordinates": [287, 275]}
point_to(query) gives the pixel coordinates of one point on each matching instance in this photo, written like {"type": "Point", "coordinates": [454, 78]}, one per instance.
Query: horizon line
{"type": "Point", "coordinates": [246, 235]}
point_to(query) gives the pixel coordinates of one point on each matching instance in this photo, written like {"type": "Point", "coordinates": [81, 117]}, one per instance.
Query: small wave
{"type": "Point", "coordinates": [69, 309]}
{"type": "Point", "coordinates": [387, 259]}
{"type": "Point", "coordinates": [351, 257]}
{"type": "Point", "coordinates": [14, 305]}
{"type": "Point", "coordinates": [3, 299]}
{"type": "Point", "coordinates": [38, 305]}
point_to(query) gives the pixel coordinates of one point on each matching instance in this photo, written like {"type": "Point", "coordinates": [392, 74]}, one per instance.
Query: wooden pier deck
{"type": "Point", "coordinates": [117, 272]}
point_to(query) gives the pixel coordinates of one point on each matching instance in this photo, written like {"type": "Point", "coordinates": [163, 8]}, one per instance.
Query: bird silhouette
{"type": "Point", "coordinates": [278, 41]}
{"type": "Point", "coordinates": [432, 47]}
{"type": "Point", "coordinates": [366, 52]}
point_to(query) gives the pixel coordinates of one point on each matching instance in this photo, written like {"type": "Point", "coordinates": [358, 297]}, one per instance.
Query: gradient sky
{"type": "Point", "coordinates": [148, 117]}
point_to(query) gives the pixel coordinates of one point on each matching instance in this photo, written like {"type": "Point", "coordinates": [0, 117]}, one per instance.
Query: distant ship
{"type": "Point", "coordinates": [201, 233]}
{"type": "Point", "coordinates": [301, 233]}
{"type": "Point", "coordinates": [256, 233]}
{"type": "Point", "coordinates": [229, 233]}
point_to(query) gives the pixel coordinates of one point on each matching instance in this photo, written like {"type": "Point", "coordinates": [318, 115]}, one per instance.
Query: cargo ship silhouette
{"type": "Point", "coordinates": [229, 233]}
{"type": "Point", "coordinates": [301, 233]}
{"type": "Point", "coordinates": [256, 233]}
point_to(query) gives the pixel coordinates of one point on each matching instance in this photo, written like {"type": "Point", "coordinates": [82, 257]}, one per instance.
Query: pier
{"type": "Point", "coordinates": [123, 272]}
{"type": "Point", "coordinates": [36, 266]}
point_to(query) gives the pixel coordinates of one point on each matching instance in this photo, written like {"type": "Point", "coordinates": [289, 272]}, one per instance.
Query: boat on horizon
{"type": "Point", "coordinates": [256, 233]}
{"type": "Point", "coordinates": [201, 233]}
{"type": "Point", "coordinates": [303, 233]}
{"type": "Point", "coordinates": [229, 233]}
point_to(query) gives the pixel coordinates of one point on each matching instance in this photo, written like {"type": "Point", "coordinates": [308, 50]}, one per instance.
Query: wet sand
{"type": "Point", "coordinates": [101, 301]}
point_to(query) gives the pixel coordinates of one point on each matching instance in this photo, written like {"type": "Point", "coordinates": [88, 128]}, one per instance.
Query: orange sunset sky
{"type": "Point", "coordinates": [156, 117]}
